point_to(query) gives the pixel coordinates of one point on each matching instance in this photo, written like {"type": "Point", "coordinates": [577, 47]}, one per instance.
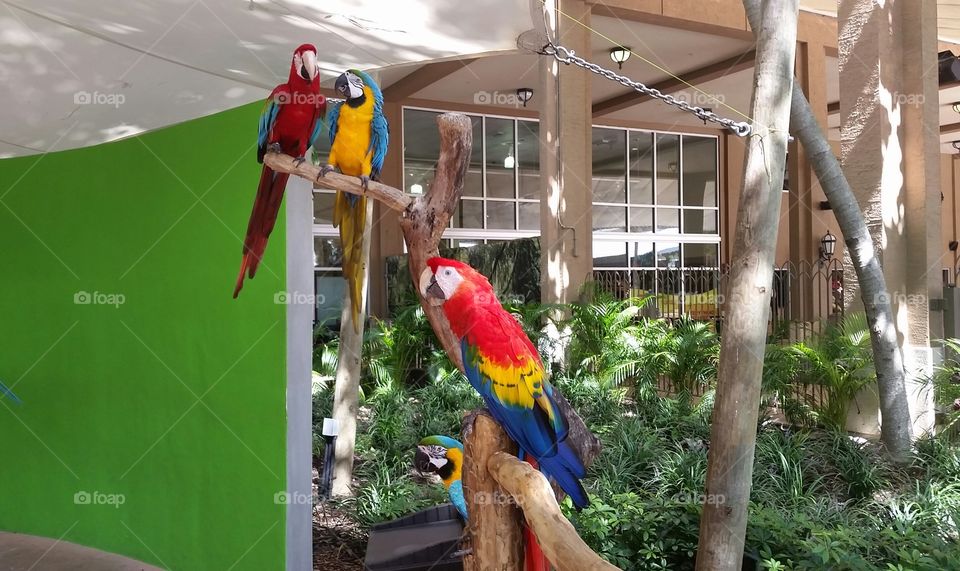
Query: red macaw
{"type": "Point", "coordinates": [290, 123]}
{"type": "Point", "coordinates": [503, 365]}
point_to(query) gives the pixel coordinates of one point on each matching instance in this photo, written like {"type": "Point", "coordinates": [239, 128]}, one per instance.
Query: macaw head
{"type": "Point", "coordinates": [439, 454]}
{"type": "Point", "coordinates": [349, 85]}
{"type": "Point", "coordinates": [304, 65]}
{"type": "Point", "coordinates": [444, 280]}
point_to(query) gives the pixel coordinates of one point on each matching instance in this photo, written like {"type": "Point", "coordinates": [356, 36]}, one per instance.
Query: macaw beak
{"type": "Point", "coordinates": [309, 68]}
{"type": "Point", "coordinates": [421, 460]}
{"type": "Point", "coordinates": [430, 289]}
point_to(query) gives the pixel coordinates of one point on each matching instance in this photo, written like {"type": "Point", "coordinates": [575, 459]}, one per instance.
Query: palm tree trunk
{"type": "Point", "coordinates": [895, 430]}
{"type": "Point", "coordinates": [734, 431]}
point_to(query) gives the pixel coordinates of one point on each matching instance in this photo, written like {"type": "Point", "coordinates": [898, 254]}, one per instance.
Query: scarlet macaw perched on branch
{"type": "Point", "coordinates": [290, 123]}
{"type": "Point", "coordinates": [359, 135]}
{"type": "Point", "coordinates": [504, 367]}
{"type": "Point", "coordinates": [444, 456]}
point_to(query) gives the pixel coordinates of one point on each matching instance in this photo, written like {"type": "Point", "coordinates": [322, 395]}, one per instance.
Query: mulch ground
{"type": "Point", "coordinates": [338, 542]}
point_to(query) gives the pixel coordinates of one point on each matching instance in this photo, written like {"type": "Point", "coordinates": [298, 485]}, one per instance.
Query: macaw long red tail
{"type": "Point", "coordinates": [266, 207]}
{"type": "Point", "coordinates": [534, 559]}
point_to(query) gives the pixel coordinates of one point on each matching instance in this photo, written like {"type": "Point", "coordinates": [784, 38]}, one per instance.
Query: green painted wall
{"type": "Point", "coordinates": [174, 399]}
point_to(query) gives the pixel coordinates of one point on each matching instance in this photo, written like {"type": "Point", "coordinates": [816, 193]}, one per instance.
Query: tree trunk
{"type": "Point", "coordinates": [346, 400]}
{"type": "Point", "coordinates": [895, 429]}
{"type": "Point", "coordinates": [734, 431]}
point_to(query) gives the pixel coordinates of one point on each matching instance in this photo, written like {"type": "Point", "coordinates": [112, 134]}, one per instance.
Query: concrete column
{"type": "Point", "coordinates": [890, 152]}
{"type": "Point", "coordinates": [387, 236]}
{"type": "Point", "coordinates": [566, 224]}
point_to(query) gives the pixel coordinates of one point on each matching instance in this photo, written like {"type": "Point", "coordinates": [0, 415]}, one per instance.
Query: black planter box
{"type": "Point", "coordinates": [428, 540]}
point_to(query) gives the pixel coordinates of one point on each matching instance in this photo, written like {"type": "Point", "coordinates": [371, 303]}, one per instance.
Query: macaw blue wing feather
{"type": "Point", "coordinates": [5, 391]}
{"type": "Point", "coordinates": [268, 117]}
{"type": "Point", "coordinates": [333, 117]}
{"type": "Point", "coordinates": [379, 141]}
{"type": "Point", "coordinates": [530, 426]}
{"type": "Point", "coordinates": [455, 491]}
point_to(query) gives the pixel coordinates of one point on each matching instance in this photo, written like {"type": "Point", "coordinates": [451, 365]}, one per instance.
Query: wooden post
{"type": "Point", "coordinates": [532, 492]}
{"type": "Point", "coordinates": [734, 431]}
{"type": "Point", "coordinates": [346, 397]}
{"type": "Point", "coordinates": [494, 527]}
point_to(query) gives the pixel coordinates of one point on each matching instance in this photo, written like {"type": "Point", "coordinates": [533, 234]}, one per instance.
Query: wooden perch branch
{"type": "Point", "coordinates": [392, 197]}
{"type": "Point", "coordinates": [425, 220]}
{"type": "Point", "coordinates": [557, 537]}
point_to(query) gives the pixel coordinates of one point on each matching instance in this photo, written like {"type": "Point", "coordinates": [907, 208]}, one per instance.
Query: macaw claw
{"type": "Point", "coordinates": [324, 170]}
{"type": "Point", "coordinates": [365, 182]}
{"type": "Point", "coordinates": [299, 161]}
{"type": "Point", "coordinates": [274, 148]}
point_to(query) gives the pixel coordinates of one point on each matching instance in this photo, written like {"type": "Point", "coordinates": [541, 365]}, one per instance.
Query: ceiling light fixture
{"type": "Point", "coordinates": [509, 162]}
{"type": "Point", "coordinates": [619, 55]}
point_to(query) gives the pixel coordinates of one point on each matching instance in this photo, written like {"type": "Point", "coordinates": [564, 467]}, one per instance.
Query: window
{"type": "Point", "coordinates": [502, 188]}
{"type": "Point", "coordinates": [656, 217]}
{"type": "Point", "coordinates": [329, 285]}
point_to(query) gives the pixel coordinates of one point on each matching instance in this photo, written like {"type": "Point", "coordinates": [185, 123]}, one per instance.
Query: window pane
{"type": "Point", "coordinates": [327, 252]}
{"type": "Point", "coordinates": [699, 221]}
{"type": "Point", "coordinates": [609, 219]}
{"type": "Point", "coordinates": [609, 254]}
{"type": "Point", "coordinates": [700, 255]}
{"type": "Point", "coordinates": [609, 165]}
{"type": "Point", "coordinates": [641, 167]}
{"type": "Point", "coordinates": [421, 148]}
{"type": "Point", "coordinates": [668, 169]}
{"type": "Point", "coordinates": [323, 207]}
{"type": "Point", "coordinates": [641, 220]}
{"type": "Point", "coordinates": [322, 148]}
{"type": "Point", "coordinates": [501, 161]}
{"type": "Point", "coordinates": [329, 288]}
{"type": "Point", "coordinates": [641, 255]}
{"type": "Point", "coordinates": [668, 220]}
{"type": "Point", "coordinates": [464, 243]}
{"type": "Point", "coordinates": [529, 216]}
{"type": "Point", "coordinates": [528, 159]}
{"type": "Point", "coordinates": [468, 215]}
{"type": "Point", "coordinates": [501, 216]}
{"type": "Point", "coordinates": [699, 171]}
{"type": "Point", "coordinates": [473, 183]}
{"type": "Point", "coordinates": [668, 255]}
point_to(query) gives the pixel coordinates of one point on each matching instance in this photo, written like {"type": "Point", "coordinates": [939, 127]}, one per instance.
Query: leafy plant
{"type": "Point", "coordinates": [605, 339]}
{"type": "Point", "coordinates": [839, 361]}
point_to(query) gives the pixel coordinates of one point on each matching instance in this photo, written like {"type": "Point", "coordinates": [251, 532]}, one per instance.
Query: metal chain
{"type": "Point", "coordinates": [567, 56]}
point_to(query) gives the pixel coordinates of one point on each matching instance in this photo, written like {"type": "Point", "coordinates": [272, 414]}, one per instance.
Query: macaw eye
{"type": "Point", "coordinates": [448, 272]}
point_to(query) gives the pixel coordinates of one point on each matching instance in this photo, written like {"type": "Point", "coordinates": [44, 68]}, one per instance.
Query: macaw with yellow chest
{"type": "Point", "coordinates": [290, 122]}
{"type": "Point", "coordinates": [359, 136]}
{"type": "Point", "coordinates": [503, 365]}
{"type": "Point", "coordinates": [444, 456]}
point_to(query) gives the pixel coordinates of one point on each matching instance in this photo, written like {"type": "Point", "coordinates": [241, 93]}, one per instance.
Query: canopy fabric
{"type": "Point", "coordinates": [81, 72]}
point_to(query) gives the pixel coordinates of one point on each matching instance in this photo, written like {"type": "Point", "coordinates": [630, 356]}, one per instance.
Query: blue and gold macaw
{"type": "Point", "coordinates": [6, 392]}
{"type": "Point", "coordinates": [359, 135]}
{"type": "Point", "coordinates": [444, 456]}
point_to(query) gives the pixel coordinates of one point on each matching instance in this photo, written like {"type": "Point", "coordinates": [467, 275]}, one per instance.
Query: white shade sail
{"type": "Point", "coordinates": [81, 72]}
